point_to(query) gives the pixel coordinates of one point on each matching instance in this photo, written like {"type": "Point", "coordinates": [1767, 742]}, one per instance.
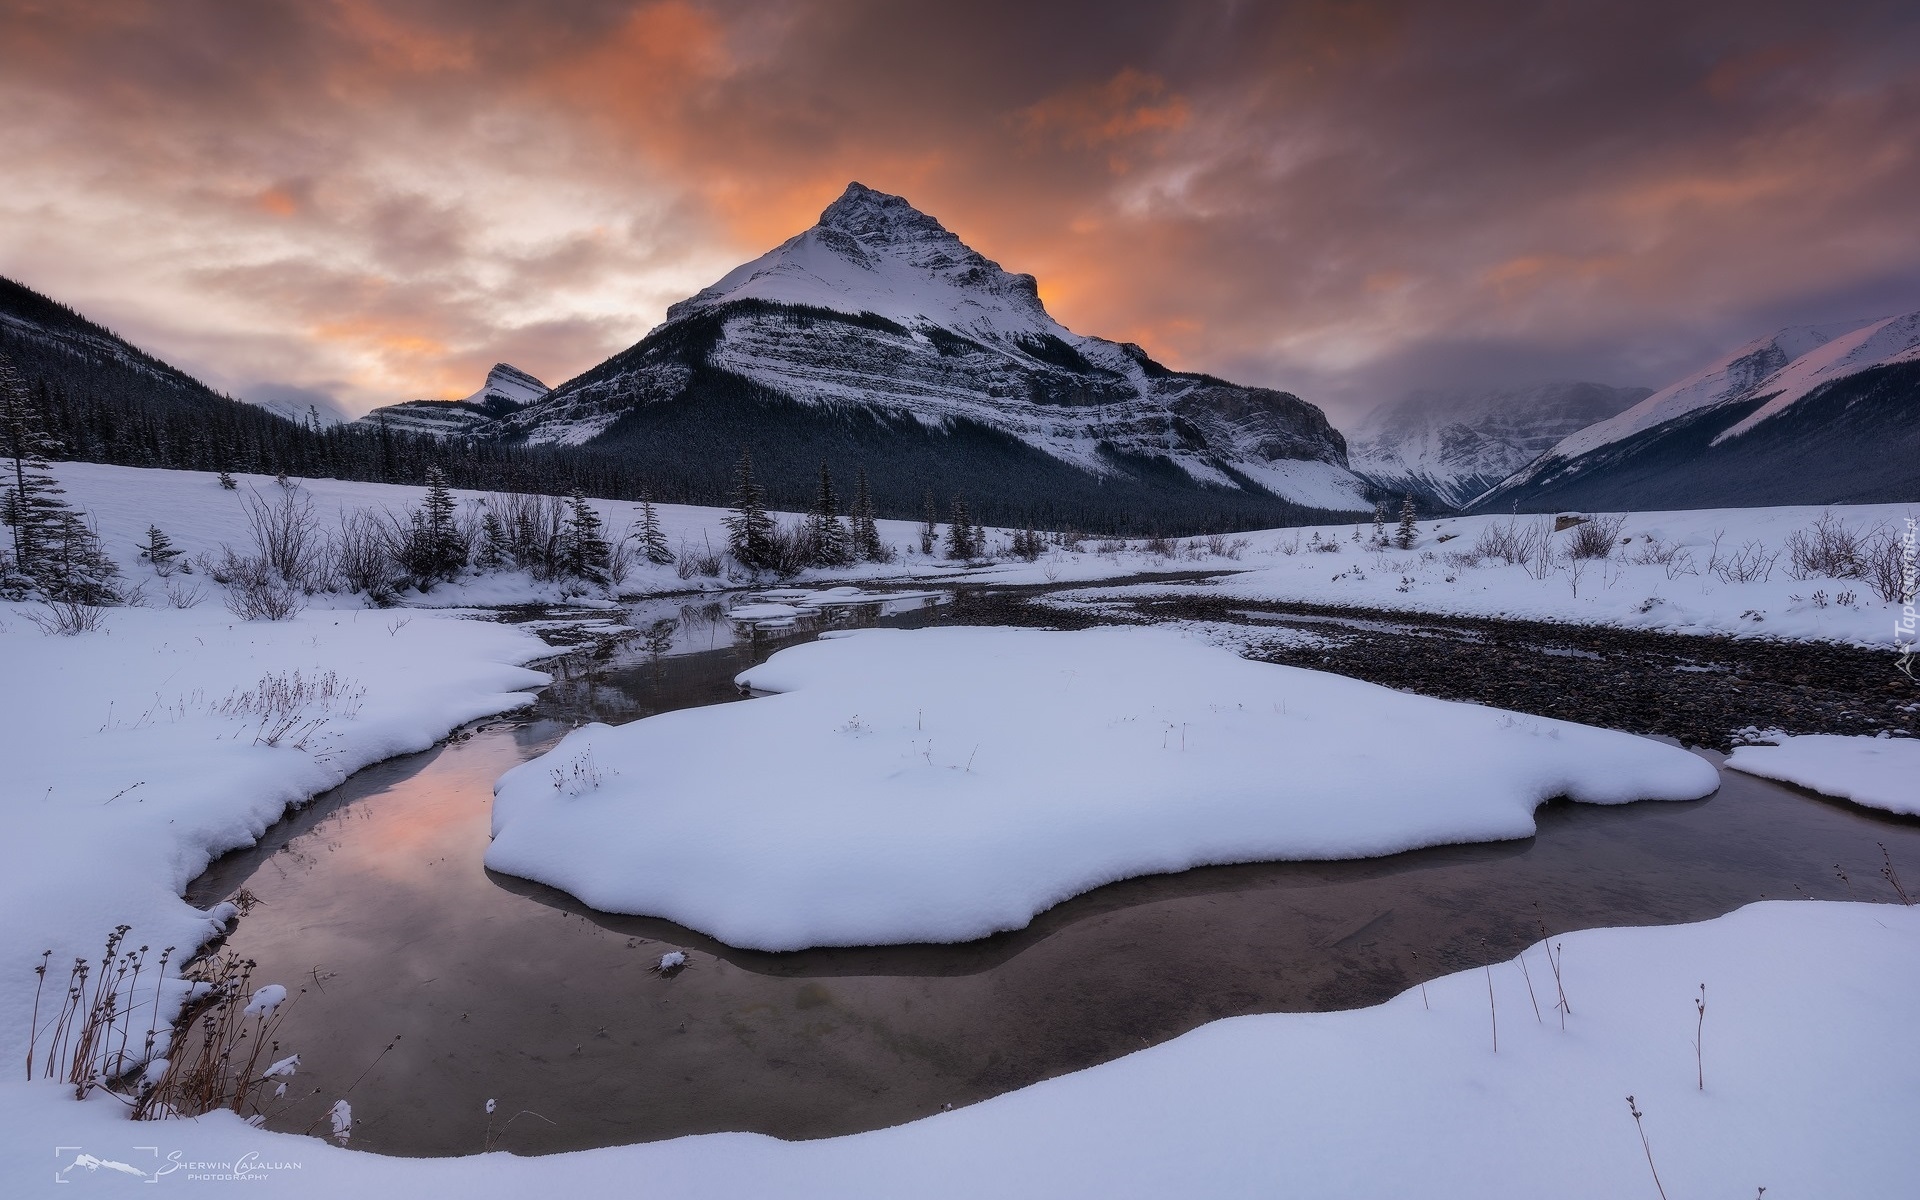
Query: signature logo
{"type": "Point", "coordinates": [149, 1165]}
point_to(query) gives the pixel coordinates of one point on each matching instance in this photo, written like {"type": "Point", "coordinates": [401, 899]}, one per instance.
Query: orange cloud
{"type": "Point", "coordinates": [1128, 105]}
{"type": "Point", "coordinates": [278, 201]}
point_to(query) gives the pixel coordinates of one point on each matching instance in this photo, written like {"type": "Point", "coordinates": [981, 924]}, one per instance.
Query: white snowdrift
{"type": "Point", "coordinates": [1808, 1092]}
{"type": "Point", "coordinates": [124, 777]}
{"type": "Point", "coordinates": [944, 784]}
{"type": "Point", "coordinates": [1877, 772]}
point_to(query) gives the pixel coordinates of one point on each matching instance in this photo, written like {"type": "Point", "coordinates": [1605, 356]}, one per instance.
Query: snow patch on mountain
{"type": "Point", "coordinates": [1450, 447]}
{"type": "Point", "coordinates": [1735, 377]}
{"type": "Point", "coordinates": [1893, 340]}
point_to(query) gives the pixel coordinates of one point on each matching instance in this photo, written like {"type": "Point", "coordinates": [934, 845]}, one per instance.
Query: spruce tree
{"type": "Point", "coordinates": [1404, 537]}
{"type": "Point", "coordinates": [866, 531]}
{"type": "Point", "coordinates": [228, 482]}
{"type": "Point", "coordinates": [826, 537]}
{"type": "Point", "coordinates": [441, 550]}
{"type": "Point", "coordinates": [159, 550]}
{"type": "Point", "coordinates": [653, 542]}
{"type": "Point", "coordinates": [749, 528]}
{"type": "Point", "coordinates": [1380, 522]}
{"type": "Point", "coordinates": [494, 547]}
{"type": "Point", "coordinates": [961, 543]}
{"type": "Point", "coordinates": [31, 504]}
{"type": "Point", "coordinates": [929, 523]}
{"type": "Point", "coordinates": [73, 565]}
{"type": "Point", "coordinates": [584, 553]}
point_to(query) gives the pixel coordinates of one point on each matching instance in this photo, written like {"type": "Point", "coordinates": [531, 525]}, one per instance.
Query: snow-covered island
{"type": "Point", "coordinates": [940, 785]}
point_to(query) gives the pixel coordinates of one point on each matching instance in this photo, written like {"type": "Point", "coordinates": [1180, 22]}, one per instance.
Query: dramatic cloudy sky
{"type": "Point", "coordinates": [370, 200]}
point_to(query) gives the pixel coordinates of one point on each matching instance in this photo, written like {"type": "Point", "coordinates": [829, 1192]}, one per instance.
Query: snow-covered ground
{"type": "Point", "coordinates": [1879, 772]}
{"type": "Point", "coordinates": [1684, 595]}
{"type": "Point", "coordinates": [939, 785]}
{"type": "Point", "coordinates": [1440, 574]}
{"type": "Point", "coordinates": [137, 753]}
{"type": "Point", "coordinates": [1808, 1091]}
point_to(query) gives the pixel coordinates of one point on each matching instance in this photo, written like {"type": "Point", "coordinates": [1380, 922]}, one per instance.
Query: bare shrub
{"type": "Point", "coordinates": [287, 705]}
{"type": "Point", "coordinates": [288, 539]}
{"type": "Point", "coordinates": [1654, 552]}
{"type": "Point", "coordinates": [1889, 567]}
{"type": "Point", "coordinates": [255, 591]}
{"type": "Point", "coordinates": [1460, 560]}
{"type": "Point", "coordinates": [1596, 537]}
{"type": "Point", "coordinates": [181, 593]}
{"type": "Point", "coordinates": [64, 618]}
{"type": "Point", "coordinates": [1513, 541]}
{"type": "Point", "coordinates": [790, 549]}
{"type": "Point", "coordinates": [535, 527]}
{"type": "Point", "coordinates": [1827, 549]}
{"type": "Point", "coordinates": [1752, 563]}
{"type": "Point", "coordinates": [1221, 546]}
{"type": "Point", "coordinates": [363, 556]}
{"type": "Point", "coordinates": [1165, 547]}
{"type": "Point", "coordinates": [1111, 546]}
{"type": "Point", "coordinates": [701, 560]}
{"type": "Point", "coordinates": [620, 559]}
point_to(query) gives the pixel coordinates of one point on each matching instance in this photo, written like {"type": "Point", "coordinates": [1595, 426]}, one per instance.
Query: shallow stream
{"type": "Point", "coordinates": [373, 906]}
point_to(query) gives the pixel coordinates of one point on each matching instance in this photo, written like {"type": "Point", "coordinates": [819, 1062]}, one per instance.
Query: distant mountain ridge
{"type": "Point", "coordinates": [506, 391]}
{"type": "Point", "coordinates": [1811, 414]}
{"type": "Point", "coordinates": [878, 340]}
{"type": "Point", "coordinates": [1446, 448]}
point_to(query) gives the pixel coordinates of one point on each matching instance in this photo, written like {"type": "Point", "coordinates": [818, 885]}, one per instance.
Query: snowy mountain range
{"type": "Point", "coordinates": [1813, 414]}
{"type": "Point", "coordinates": [1446, 448]}
{"type": "Point", "coordinates": [507, 390]}
{"type": "Point", "coordinates": [878, 340]}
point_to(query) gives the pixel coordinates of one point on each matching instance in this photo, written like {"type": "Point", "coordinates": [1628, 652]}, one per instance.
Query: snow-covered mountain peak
{"type": "Point", "coordinates": [509, 385]}
{"type": "Point", "coordinates": [1734, 377]}
{"type": "Point", "coordinates": [872, 252]}
{"type": "Point", "coordinates": [865, 214]}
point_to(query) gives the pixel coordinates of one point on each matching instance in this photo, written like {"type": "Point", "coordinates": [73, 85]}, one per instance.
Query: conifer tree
{"type": "Point", "coordinates": [866, 531]}
{"type": "Point", "coordinates": [494, 546]}
{"type": "Point", "coordinates": [929, 523]}
{"type": "Point", "coordinates": [749, 528]}
{"type": "Point", "coordinates": [48, 537]}
{"type": "Point", "coordinates": [961, 543]}
{"type": "Point", "coordinates": [1404, 536]}
{"type": "Point", "coordinates": [159, 550]}
{"type": "Point", "coordinates": [227, 481]}
{"type": "Point", "coordinates": [826, 537]}
{"type": "Point", "coordinates": [73, 565]}
{"type": "Point", "coordinates": [440, 549]}
{"type": "Point", "coordinates": [1380, 522]}
{"type": "Point", "coordinates": [653, 542]}
{"type": "Point", "coordinates": [584, 553]}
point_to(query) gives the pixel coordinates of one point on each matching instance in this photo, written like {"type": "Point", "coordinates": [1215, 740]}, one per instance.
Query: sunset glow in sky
{"type": "Point", "coordinates": [374, 200]}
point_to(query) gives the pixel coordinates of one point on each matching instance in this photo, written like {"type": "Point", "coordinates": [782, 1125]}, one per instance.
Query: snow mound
{"type": "Point", "coordinates": [945, 784]}
{"type": "Point", "coordinates": [1876, 772]}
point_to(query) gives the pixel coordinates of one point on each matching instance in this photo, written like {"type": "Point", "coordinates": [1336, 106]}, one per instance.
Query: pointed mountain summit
{"type": "Point", "coordinates": [876, 253]}
{"type": "Point", "coordinates": [507, 390]}
{"type": "Point", "coordinates": [876, 339]}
